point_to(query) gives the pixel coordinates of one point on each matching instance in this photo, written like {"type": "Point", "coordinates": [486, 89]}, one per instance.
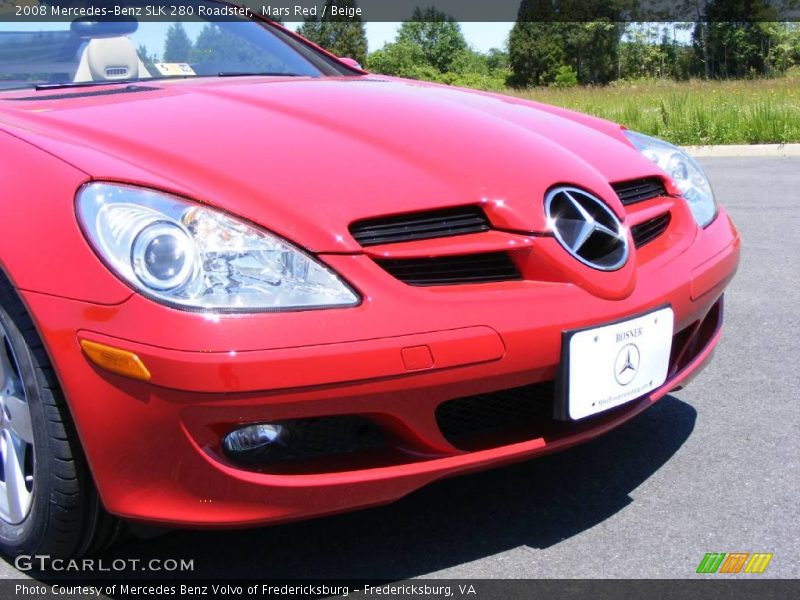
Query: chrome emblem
{"type": "Point", "coordinates": [627, 364]}
{"type": "Point", "coordinates": [586, 228]}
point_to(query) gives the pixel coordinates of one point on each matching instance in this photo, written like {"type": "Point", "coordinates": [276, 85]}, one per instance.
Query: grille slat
{"type": "Point", "coordinates": [639, 190]}
{"type": "Point", "coordinates": [420, 226]}
{"type": "Point", "coordinates": [401, 234]}
{"type": "Point", "coordinates": [467, 266]}
{"type": "Point", "coordinates": [427, 223]}
{"type": "Point", "coordinates": [646, 232]}
{"type": "Point", "coordinates": [449, 270]}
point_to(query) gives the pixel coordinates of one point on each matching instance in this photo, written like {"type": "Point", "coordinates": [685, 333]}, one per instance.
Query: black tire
{"type": "Point", "coordinates": [65, 517]}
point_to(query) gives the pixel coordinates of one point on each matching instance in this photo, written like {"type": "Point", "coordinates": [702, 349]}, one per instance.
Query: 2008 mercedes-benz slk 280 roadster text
{"type": "Point", "coordinates": [261, 285]}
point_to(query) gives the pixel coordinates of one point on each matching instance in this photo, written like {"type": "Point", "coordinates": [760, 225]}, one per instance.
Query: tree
{"type": "Point", "coordinates": [339, 35]}
{"type": "Point", "coordinates": [497, 59]}
{"type": "Point", "coordinates": [535, 49]}
{"type": "Point", "coordinates": [565, 77]}
{"type": "Point", "coordinates": [148, 60]}
{"type": "Point", "coordinates": [652, 50]}
{"type": "Point", "coordinates": [401, 59]}
{"type": "Point", "coordinates": [437, 34]}
{"type": "Point", "coordinates": [592, 49]}
{"type": "Point", "coordinates": [699, 41]}
{"type": "Point", "coordinates": [218, 48]}
{"type": "Point", "coordinates": [549, 34]}
{"type": "Point", "coordinates": [178, 46]}
{"type": "Point", "coordinates": [736, 37]}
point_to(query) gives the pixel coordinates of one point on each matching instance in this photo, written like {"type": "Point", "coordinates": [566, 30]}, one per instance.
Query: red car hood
{"type": "Point", "coordinates": [306, 157]}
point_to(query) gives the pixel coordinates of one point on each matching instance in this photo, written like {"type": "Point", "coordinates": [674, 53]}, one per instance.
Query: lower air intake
{"type": "Point", "coordinates": [507, 416]}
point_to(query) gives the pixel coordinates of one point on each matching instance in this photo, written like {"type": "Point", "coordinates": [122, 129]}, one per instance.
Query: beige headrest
{"type": "Point", "coordinates": [107, 59]}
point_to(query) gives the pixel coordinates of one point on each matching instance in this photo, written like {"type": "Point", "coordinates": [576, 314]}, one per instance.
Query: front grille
{"type": "Point", "coordinates": [450, 270]}
{"type": "Point", "coordinates": [639, 190]}
{"type": "Point", "coordinates": [646, 232]}
{"type": "Point", "coordinates": [420, 226]}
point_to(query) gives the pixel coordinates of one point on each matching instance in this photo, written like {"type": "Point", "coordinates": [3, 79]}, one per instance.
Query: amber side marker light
{"type": "Point", "coordinates": [121, 362]}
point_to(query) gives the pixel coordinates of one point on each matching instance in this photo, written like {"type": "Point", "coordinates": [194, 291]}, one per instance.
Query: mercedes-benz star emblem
{"type": "Point", "coordinates": [586, 228]}
{"type": "Point", "coordinates": [627, 364]}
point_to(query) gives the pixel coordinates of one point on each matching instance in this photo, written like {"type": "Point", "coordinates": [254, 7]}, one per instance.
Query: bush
{"type": "Point", "coordinates": [565, 77]}
{"type": "Point", "coordinates": [793, 72]}
{"type": "Point", "coordinates": [495, 81]}
{"type": "Point", "coordinates": [401, 59]}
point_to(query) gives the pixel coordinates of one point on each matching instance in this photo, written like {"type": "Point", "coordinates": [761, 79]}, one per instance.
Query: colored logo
{"type": "Point", "coordinates": [734, 562]}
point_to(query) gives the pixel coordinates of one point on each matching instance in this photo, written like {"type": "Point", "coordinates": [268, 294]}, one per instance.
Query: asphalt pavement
{"type": "Point", "coordinates": [714, 467]}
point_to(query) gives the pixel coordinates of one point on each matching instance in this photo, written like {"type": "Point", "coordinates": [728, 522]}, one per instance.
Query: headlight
{"type": "Point", "coordinates": [684, 170]}
{"type": "Point", "coordinates": [190, 255]}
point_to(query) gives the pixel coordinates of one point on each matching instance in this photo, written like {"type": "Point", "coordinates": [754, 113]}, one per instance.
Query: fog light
{"type": "Point", "coordinates": [256, 441]}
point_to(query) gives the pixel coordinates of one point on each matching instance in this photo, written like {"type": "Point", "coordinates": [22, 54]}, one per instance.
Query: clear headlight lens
{"type": "Point", "coordinates": [684, 170]}
{"type": "Point", "coordinates": [190, 255]}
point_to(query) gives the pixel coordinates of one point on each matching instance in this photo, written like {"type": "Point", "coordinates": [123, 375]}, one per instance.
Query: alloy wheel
{"type": "Point", "coordinates": [16, 439]}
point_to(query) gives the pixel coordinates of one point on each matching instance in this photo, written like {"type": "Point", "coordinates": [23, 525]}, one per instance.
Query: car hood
{"type": "Point", "coordinates": [307, 157]}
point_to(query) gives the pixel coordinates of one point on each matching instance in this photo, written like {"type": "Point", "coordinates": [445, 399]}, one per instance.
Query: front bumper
{"type": "Point", "coordinates": [154, 448]}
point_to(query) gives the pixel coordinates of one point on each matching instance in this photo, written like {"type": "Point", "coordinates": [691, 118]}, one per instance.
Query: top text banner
{"type": "Point", "coordinates": [26, 11]}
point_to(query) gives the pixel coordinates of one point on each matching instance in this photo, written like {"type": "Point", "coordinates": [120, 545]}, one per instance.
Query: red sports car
{"type": "Point", "coordinates": [253, 283]}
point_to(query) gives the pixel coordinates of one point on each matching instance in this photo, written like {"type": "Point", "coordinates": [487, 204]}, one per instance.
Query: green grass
{"type": "Point", "coordinates": [691, 113]}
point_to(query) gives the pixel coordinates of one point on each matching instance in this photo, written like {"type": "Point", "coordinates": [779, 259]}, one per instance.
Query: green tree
{"type": "Point", "coordinates": [735, 38]}
{"type": "Point", "coordinates": [437, 34]}
{"type": "Point", "coordinates": [177, 46]}
{"type": "Point", "coordinates": [497, 59]}
{"type": "Point", "coordinates": [339, 35]}
{"type": "Point", "coordinates": [401, 59]}
{"type": "Point", "coordinates": [652, 50]}
{"type": "Point", "coordinates": [593, 49]}
{"type": "Point", "coordinates": [535, 52]}
{"type": "Point", "coordinates": [217, 48]}
{"type": "Point", "coordinates": [147, 59]}
{"type": "Point", "coordinates": [549, 34]}
{"type": "Point", "coordinates": [565, 77]}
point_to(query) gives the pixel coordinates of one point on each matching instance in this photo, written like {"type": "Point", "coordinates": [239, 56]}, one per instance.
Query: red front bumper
{"type": "Point", "coordinates": [154, 448]}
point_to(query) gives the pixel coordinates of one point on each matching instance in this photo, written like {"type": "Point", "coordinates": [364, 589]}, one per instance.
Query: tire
{"type": "Point", "coordinates": [48, 502]}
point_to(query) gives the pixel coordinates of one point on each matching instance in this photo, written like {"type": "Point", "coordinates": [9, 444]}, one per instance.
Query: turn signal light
{"type": "Point", "coordinates": [121, 362]}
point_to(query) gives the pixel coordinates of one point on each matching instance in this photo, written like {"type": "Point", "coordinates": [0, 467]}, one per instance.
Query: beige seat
{"type": "Point", "coordinates": [109, 59]}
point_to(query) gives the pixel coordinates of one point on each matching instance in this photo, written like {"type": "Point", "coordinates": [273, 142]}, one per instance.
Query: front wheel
{"type": "Point", "coordinates": [48, 502]}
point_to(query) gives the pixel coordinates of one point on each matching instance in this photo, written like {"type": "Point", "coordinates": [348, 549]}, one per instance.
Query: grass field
{"type": "Point", "coordinates": [697, 112]}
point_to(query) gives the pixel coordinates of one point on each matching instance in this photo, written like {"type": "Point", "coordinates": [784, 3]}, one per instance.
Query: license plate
{"type": "Point", "coordinates": [613, 364]}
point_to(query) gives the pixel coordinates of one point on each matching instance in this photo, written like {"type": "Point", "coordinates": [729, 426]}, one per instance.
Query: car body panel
{"type": "Point", "coordinates": [305, 158]}
{"type": "Point", "coordinates": [42, 247]}
{"type": "Point", "coordinates": [268, 150]}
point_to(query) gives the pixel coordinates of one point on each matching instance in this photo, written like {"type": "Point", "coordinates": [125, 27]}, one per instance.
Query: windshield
{"type": "Point", "coordinates": [88, 52]}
